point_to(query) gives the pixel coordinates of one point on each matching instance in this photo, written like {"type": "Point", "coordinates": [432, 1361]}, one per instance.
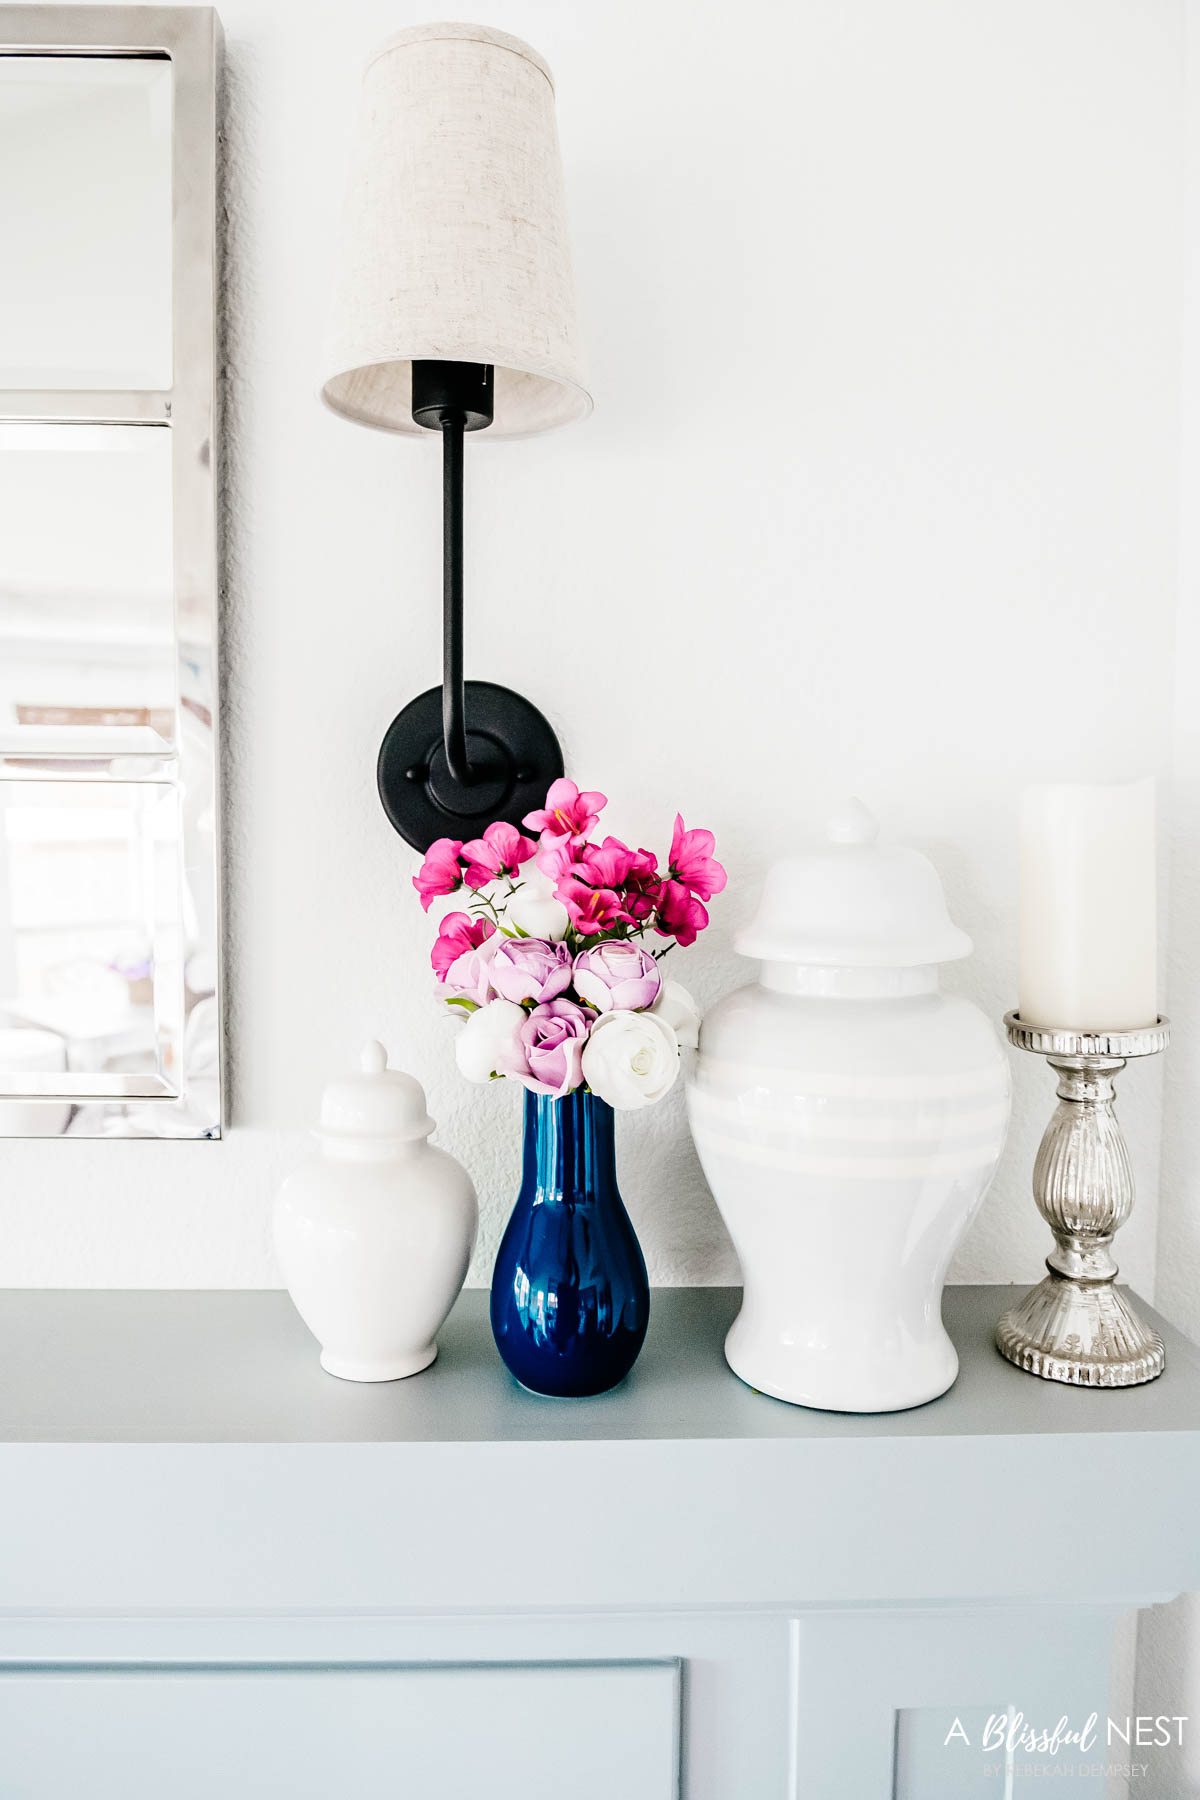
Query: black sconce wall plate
{"type": "Point", "coordinates": [462, 755]}
{"type": "Point", "coordinates": [513, 755]}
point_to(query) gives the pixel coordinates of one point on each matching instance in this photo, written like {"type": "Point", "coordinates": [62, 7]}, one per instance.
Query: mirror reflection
{"type": "Point", "coordinates": [109, 976]}
{"type": "Point", "coordinates": [89, 926]}
{"type": "Point", "coordinates": [107, 968]}
{"type": "Point", "coordinates": [88, 665]}
{"type": "Point", "coordinates": [85, 221]}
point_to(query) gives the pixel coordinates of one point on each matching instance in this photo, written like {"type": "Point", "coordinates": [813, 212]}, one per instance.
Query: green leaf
{"type": "Point", "coordinates": [467, 1005]}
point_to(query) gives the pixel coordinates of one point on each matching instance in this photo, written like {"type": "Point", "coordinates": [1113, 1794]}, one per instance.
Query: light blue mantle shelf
{"type": "Point", "coordinates": [141, 1422]}
{"type": "Point", "coordinates": [223, 1571]}
{"type": "Point", "coordinates": [149, 1366]}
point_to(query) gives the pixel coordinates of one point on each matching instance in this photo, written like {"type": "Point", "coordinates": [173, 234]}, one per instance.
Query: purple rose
{"type": "Point", "coordinates": [530, 969]}
{"type": "Point", "coordinates": [617, 976]}
{"type": "Point", "coordinates": [471, 973]}
{"type": "Point", "coordinates": [548, 1052]}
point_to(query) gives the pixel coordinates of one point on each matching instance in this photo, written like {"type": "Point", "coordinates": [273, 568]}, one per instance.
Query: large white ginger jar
{"type": "Point", "coordinates": [849, 1119]}
{"type": "Point", "coordinates": [374, 1233]}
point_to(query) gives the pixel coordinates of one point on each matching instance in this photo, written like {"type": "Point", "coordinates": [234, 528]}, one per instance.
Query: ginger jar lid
{"type": "Point", "coordinates": [854, 903]}
{"type": "Point", "coordinates": [375, 1103]}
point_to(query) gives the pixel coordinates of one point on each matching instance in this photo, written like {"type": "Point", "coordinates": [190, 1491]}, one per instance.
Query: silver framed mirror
{"type": "Point", "coordinates": [110, 978]}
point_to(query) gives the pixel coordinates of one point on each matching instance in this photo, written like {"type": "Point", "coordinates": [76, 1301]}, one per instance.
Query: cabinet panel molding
{"type": "Point", "coordinates": [379, 1733]}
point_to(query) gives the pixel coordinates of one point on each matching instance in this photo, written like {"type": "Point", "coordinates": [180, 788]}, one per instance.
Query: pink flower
{"type": "Point", "coordinates": [680, 915]}
{"type": "Point", "coordinates": [547, 1055]}
{"type": "Point", "coordinates": [567, 812]}
{"type": "Point", "coordinates": [459, 933]}
{"type": "Point", "coordinates": [692, 862]}
{"type": "Point", "coordinates": [440, 873]}
{"type": "Point", "coordinates": [559, 856]}
{"type": "Point", "coordinates": [530, 969]}
{"type": "Point", "coordinates": [590, 909]}
{"type": "Point", "coordinates": [642, 885]}
{"type": "Point", "coordinates": [633, 874]}
{"type": "Point", "coordinates": [500, 851]}
{"type": "Point", "coordinates": [617, 975]}
{"type": "Point", "coordinates": [606, 865]}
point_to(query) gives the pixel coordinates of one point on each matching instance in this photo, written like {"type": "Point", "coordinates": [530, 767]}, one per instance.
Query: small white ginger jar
{"type": "Point", "coordinates": [374, 1233]}
{"type": "Point", "coordinates": [849, 1119]}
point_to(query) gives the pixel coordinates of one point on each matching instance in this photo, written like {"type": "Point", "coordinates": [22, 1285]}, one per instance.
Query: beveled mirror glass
{"type": "Point", "coordinates": [109, 887]}
{"type": "Point", "coordinates": [85, 205]}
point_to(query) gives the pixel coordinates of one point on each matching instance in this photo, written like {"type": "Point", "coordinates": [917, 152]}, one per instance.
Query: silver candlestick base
{"type": "Point", "coordinates": [1074, 1326]}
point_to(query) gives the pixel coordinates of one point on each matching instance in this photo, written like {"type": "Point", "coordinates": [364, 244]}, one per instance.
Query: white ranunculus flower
{"type": "Point", "coordinates": [677, 1008]}
{"type": "Point", "coordinates": [534, 910]}
{"type": "Point", "coordinates": [630, 1059]}
{"type": "Point", "coordinates": [487, 1039]}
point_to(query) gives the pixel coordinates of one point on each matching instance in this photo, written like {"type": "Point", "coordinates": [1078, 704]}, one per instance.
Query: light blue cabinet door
{"type": "Point", "coordinates": [595, 1731]}
{"type": "Point", "coordinates": [896, 1706]}
{"type": "Point", "coordinates": [964, 1753]}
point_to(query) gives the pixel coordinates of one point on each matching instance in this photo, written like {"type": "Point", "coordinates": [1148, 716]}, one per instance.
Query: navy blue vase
{"type": "Point", "coordinates": [570, 1298]}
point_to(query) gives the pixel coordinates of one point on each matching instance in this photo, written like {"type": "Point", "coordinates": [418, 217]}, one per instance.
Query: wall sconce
{"type": "Point", "coordinates": [456, 314]}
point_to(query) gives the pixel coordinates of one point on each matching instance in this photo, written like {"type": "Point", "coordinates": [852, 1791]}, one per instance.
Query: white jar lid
{"type": "Point", "coordinates": [375, 1103]}
{"type": "Point", "coordinates": [854, 903]}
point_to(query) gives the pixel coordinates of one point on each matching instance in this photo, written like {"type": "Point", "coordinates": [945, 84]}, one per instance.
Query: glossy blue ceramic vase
{"type": "Point", "coordinates": [570, 1298]}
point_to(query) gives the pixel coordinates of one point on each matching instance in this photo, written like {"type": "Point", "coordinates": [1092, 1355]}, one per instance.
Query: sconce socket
{"type": "Point", "coordinates": [449, 392]}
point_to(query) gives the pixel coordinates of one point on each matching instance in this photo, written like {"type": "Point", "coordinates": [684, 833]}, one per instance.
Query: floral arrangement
{"type": "Point", "coordinates": [549, 963]}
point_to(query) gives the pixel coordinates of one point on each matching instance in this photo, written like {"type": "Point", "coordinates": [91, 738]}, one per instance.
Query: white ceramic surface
{"type": "Point", "coordinates": [849, 1118]}
{"type": "Point", "coordinates": [374, 1233]}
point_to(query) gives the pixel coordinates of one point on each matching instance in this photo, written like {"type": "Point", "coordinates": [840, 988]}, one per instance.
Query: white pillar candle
{"type": "Point", "coordinates": [1088, 907]}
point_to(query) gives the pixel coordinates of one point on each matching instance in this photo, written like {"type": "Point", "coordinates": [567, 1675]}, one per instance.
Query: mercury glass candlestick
{"type": "Point", "coordinates": [1074, 1326]}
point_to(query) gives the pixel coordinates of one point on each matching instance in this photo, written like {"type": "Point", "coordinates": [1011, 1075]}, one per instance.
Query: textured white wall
{"type": "Point", "coordinates": [879, 496]}
{"type": "Point", "coordinates": [1169, 1637]}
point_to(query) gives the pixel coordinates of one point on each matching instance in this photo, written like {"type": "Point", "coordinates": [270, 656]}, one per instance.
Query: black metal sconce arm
{"type": "Point", "coordinates": [458, 757]}
{"type": "Point", "coordinates": [454, 711]}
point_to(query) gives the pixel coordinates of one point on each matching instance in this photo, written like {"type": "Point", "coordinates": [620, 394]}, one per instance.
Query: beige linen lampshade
{"type": "Point", "coordinates": [456, 242]}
